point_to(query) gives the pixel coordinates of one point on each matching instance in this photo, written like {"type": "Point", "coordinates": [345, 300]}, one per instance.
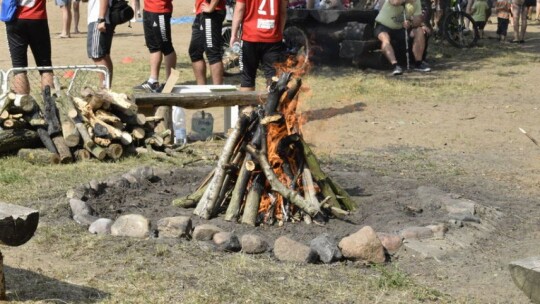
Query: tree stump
{"type": "Point", "coordinates": [2, 279]}
{"type": "Point", "coordinates": [17, 224]}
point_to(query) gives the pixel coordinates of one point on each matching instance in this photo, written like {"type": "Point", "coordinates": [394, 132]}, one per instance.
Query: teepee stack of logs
{"type": "Point", "coordinates": [266, 172]}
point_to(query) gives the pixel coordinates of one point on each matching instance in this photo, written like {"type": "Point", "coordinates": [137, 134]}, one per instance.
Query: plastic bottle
{"type": "Point", "coordinates": [179, 125]}
{"type": "Point", "coordinates": [236, 47]}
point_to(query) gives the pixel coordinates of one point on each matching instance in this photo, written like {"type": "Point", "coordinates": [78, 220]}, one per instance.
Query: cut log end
{"type": "Point", "coordinates": [17, 224]}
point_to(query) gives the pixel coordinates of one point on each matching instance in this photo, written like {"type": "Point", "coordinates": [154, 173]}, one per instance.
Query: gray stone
{"type": "Point", "coordinates": [132, 225]}
{"type": "Point", "coordinates": [363, 245]}
{"type": "Point", "coordinates": [460, 206]}
{"type": "Point", "coordinates": [455, 223]}
{"type": "Point", "coordinates": [175, 227]}
{"type": "Point", "coordinates": [227, 241]}
{"type": "Point", "coordinates": [526, 275]}
{"type": "Point", "coordinates": [253, 244]}
{"type": "Point", "coordinates": [416, 233]}
{"type": "Point", "coordinates": [205, 232]}
{"type": "Point", "coordinates": [117, 182]}
{"type": "Point", "coordinates": [85, 219]}
{"type": "Point", "coordinates": [288, 250]}
{"type": "Point", "coordinates": [464, 217]}
{"type": "Point", "coordinates": [96, 185]}
{"type": "Point", "coordinates": [130, 178]}
{"type": "Point", "coordinates": [432, 248]}
{"type": "Point", "coordinates": [432, 198]}
{"type": "Point", "coordinates": [79, 207]}
{"type": "Point", "coordinates": [438, 230]}
{"type": "Point", "coordinates": [326, 247]}
{"type": "Point", "coordinates": [101, 226]}
{"type": "Point", "coordinates": [79, 192]}
{"type": "Point", "coordinates": [391, 242]}
{"type": "Point", "coordinates": [143, 173]}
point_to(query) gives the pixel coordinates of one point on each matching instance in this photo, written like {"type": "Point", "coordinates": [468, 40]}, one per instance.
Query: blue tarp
{"type": "Point", "coordinates": [176, 20]}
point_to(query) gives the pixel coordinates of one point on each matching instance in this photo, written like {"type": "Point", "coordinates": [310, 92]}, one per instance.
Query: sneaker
{"type": "Point", "coordinates": [422, 67]}
{"type": "Point", "coordinates": [397, 71]}
{"type": "Point", "coordinates": [148, 87]}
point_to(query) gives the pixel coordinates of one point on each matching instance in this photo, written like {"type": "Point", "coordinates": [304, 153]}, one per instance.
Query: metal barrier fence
{"type": "Point", "coordinates": [72, 79]}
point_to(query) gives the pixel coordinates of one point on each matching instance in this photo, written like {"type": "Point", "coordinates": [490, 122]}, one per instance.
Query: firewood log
{"type": "Point", "coordinates": [17, 224]}
{"type": "Point", "coordinates": [21, 103]}
{"type": "Point", "coordinates": [103, 142]}
{"type": "Point", "coordinates": [253, 200]}
{"type": "Point", "coordinates": [42, 131]}
{"type": "Point", "coordinates": [114, 151]}
{"type": "Point", "coordinates": [14, 124]}
{"type": "Point", "coordinates": [233, 210]}
{"type": "Point", "coordinates": [69, 130]}
{"type": "Point", "coordinates": [309, 189]}
{"type": "Point", "coordinates": [120, 102]}
{"type": "Point", "coordinates": [293, 196]}
{"type": "Point", "coordinates": [190, 200]}
{"type": "Point", "coordinates": [54, 127]}
{"type": "Point", "coordinates": [39, 156]}
{"type": "Point", "coordinates": [82, 154]}
{"type": "Point", "coordinates": [13, 140]}
{"type": "Point", "coordinates": [107, 117]}
{"type": "Point", "coordinates": [327, 185]}
{"type": "Point", "coordinates": [165, 123]}
{"type": "Point", "coordinates": [206, 206]}
{"type": "Point", "coordinates": [138, 133]}
{"type": "Point", "coordinates": [201, 100]}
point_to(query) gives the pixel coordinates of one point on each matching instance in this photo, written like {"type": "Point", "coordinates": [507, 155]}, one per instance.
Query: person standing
{"type": "Point", "coordinates": [76, 16]}
{"type": "Point", "coordinates": [519, 17]}
{"type": "Point", "coordinates": [502, 8]}
{"type": "Point", "coordinates": [206, 38]}
{"type": "Point", "coordinates": [479, 13]}
{"type": "Point", "coordinates": [157, 34]}
{"type": "Point", "coordinates": [30, 29]}
{"type": "Point", "coordinates": [99, 36]}
{"type": "Point", "coordinates": [263, 22]}
{"type": "Point", "coordinates": [65, 7]}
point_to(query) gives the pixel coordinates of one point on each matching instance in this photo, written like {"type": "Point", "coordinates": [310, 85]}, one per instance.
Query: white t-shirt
{"type": "Point", "coordinates": [93, 11]}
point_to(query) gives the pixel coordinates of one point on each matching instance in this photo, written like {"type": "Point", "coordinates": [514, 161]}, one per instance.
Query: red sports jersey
{"type": "Point", "coordinates": [262, 21]}
{"type": "Point", "coordinates": [32, 9]}
{"type": "Point", "coordinates": [198, 4]}
{"type": "Point", "coordinates": [158, 6]}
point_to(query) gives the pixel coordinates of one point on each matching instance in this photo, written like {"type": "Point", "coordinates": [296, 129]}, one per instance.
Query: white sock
{"type": "Point", "coordinates": [152, 80]}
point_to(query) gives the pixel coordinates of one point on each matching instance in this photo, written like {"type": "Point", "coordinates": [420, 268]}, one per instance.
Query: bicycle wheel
{"type": "Point", "coordinates": [231, 60]}
{"type": "Point", "coordinates": [456, 30]}
{"type": "Point", "coordinates": [297, 46]}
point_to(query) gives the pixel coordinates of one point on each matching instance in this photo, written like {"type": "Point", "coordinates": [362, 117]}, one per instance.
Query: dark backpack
{"type": "Point", "coordinates": [120, 12]}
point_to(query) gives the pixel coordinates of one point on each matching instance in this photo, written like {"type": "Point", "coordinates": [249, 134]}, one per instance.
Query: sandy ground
{"type": "Point", "coordinates": [478, 135]}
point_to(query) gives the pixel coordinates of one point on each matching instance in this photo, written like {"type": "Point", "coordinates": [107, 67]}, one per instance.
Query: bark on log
{"type": "Point", "coordinates": [51, 113]}
{"type": "Point", "coordinates": [166, 123]}
{"type": "Point", "coordinates": [107, 117]}
{"type": "Point", "coordinates": [200, 100]}
{"type": "Point", "coordinates": [21, 103]}
{"type": "Point", "coordinates": [39, 156]}
{"type": "Point", "coordinates": [17, 224]}
{"type": "Point", "coordinates": [206, 206]}
{"type": "Point", "coordinates": [253, 200]}
{"type": "Point", "coordinates": [293, 196]}
{"type": "Point", "coordinates": [190, 200]}
{"type": "Point", "coordinates": [63, 149]}
{"type": "Point", "coordinates": [233, 210]}
{"type": "Point", "coordinates": [13, 140]}
{"type": "Point", "coordinates": [309, 188]}
{"type": "Point", "coordinates": [69, 130]}
{"type": "Point", "coordinates": [328, 187]}
{"type": "Point", "coordinates": [120, 102]}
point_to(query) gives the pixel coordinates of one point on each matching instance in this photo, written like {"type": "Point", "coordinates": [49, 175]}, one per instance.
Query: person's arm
{"type": "Point", "coordinates": [209, 7]}
{"type": "Point", "coordinates": [103, 7]}
{"type": "Point", "coordinates": [239, 10]}
{"type": "Point", "coordinates": [283, 16]}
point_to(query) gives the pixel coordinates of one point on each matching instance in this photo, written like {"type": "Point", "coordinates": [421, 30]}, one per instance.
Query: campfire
{"type": "Point", "coordinates": [266, 172]}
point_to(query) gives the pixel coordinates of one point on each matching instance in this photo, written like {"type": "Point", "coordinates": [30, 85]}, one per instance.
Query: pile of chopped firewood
{"type": "Point", "coordinates": [95, 124]}
{"type": "Point", "coordinates": [266, 172]}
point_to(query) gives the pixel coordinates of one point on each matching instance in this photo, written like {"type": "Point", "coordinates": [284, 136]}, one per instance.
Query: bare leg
{"type": "Point", "coordinates": [387, 48]}
{"type": "Point", "coordinates": [419, 44]}
{"type": "Point", "coordinates": [523, 24]}
{"type": "Point", "coordinates": [199, 70]}
{"type": "Point", "coordinates": [66, 20]}
{"type": "Point", "coordinates": [516, 12]}
{"type": "Point", "coordinates": [20, 84]}
{"type": "Point", "coordinates": [217, 72]}
{"type": "Point", "coordinates": [107, 62]}
{"type": "Point", "coordinates": [170, 63]}
{"type": "Point", "coordinates": [76, 16]}
{"type": "Point", "coordinates": [47, 80]}
{"type": "Point", "coordinates": [155, 64]}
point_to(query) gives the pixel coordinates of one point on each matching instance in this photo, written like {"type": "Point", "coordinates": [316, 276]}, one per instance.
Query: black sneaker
{"type": "Point", "coordinates": [422, 67]}
{"type": "Point", "coordinates": [397, 71]}
{"type": "Point", "coordinates": [148, 87]}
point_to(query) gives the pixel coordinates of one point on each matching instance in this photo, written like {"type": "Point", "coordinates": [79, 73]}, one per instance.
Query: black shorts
{"type": "Point", "coordinates": [206, 37]}
{"type": "Point", "coordinates": [480, 24]}
{"type": "Point", "coordinates": [395, 35]}
{"type": "Point", "coordinates": [529, 3]}
{"type": "Point", "coordinates": [98, 44]}
{"type": "Point", "coordinates": [255, 53]}
{"type": "Point", "coordinates": [22, 33]}
{"type": "Point", "coordinates": [157, 32]}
